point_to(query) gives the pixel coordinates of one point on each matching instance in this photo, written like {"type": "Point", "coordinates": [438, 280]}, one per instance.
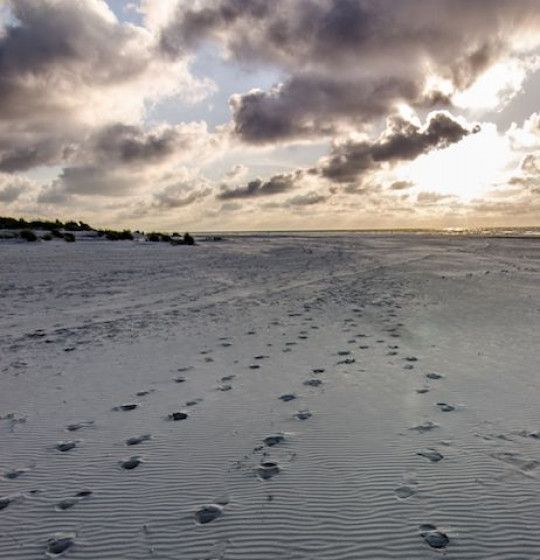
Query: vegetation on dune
{"type": "Point", "coordinates": [65, 230]}
{"type": "Point", "coordinates": [20, 223]}
{"type": "Point", "coordinates": [28, 235]}
{"type": "Point", "coordinates": [112, 235]}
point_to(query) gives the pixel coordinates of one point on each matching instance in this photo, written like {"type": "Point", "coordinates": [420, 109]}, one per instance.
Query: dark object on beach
{"type": "Point", "coordinates": [56, 233]}
{"type": "Point", "coordinates": [59, 544]}
{"type": "Point", "coordinates": [69, 237]}
{"type": "Point", "coordinates": [28, 235]}
{"type": "Point", "coordinates": [207, 514]}
{"type": "Point", "coordinates": [47, 237]}
{"type": "Point", "coordinates": [188, 240]}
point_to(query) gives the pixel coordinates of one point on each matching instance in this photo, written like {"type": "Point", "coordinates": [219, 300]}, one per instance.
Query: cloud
{"type": "Point", "coordinates": [402, 140]}
{"type": "Point", "coordinates": [13, 187]}
{"type": "Point", "coordinates": [432, 198]}
{"type": "Point", "coordinates": [68, 68]}
{"type": "Point", "coordinates": [307, 199]}
{"type": "Point", "coordinates": [180, 195]}
{"type": "Point", "coordinates": [313, 105]}
{"type": "Point", "coordinates": [353, 162]}
{"type": "Point", "coordinates": [118, 159]}
{"type": "Point", "coordinates": [401, 185]}
{"type": "Point", "coordinates": [277, 184]}
{"type": "Point", "coordinates": [349, 62]}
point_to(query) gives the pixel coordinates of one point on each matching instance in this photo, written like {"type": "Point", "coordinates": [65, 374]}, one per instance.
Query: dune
{"type": "Point", "coordinates": [350, 396]}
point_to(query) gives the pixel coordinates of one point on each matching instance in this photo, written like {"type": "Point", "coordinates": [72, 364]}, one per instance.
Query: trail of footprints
{"type": "Point", "coordinates": [267, 468]}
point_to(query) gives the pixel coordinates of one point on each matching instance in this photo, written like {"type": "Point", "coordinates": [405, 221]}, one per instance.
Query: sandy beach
{"type": "Point", "coordinates": [270, 397]}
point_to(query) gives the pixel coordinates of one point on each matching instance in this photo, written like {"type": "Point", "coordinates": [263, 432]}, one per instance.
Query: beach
{"type": "Point", "coordinates": [272, 396]}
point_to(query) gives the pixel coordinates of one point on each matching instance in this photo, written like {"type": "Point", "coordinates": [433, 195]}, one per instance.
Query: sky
{"type": "Point", "coordinates": [216, 115]}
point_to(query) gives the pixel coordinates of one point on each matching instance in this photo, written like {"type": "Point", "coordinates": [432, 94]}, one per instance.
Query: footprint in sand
{"type": "Point", "coordinates": [65, 446]}
{"type": "Point", "coordinates": [208, 513]}
{"type": "Point", "coordinates": [177, 416]}
{"type": "Point", "coordinates": [422, 390]}
{"type": "Point", "coordinates": [404, 492]}
{"type": "Point", "coordinates": [434, 537]}
{"type": "Point", "coordinates": [180, 379]}
{"type": "Point", "coordinates": [193, 402]}
{"type": "Point", "coordinates": [317, 371]}
{"type": "Point", "coordinates": [346, 361]}
{"type": "Point", "coordinates": [272, 440]}
{"type": "Point", "coordinates": [424, 427]}
{"type": "Point", "coordinates": [303, 415]}
{"type": "Point", "coordinates": [68, 503]}
{"type": "Point", "coordinates": [312, 382]}
{"type": "Point", "coordinates": [131, 463]}
{"type": "Point", "coordinates": [268, 469]}
{"type": "Point", "coordinates": [224, 387]}
{"type": "Point", "coordinates": [136, 440]}
{"type": "Point", "coordinates": [126, 406]}
{"type": "Point", "coordinates": [432, 454]}
{"type": "Point", "coordinates": [60, 543]}
{"type": "Point", "coordinates": [79, 426]}
{"type": "Point", "coordinates": [287, 397]}
{"type": "Point", "coordinates": [14, 473]}
{"type": "Point", "coordinates": [5, 502]}
{"type": "Point", "coordinates": [228, 377]}
{"type": "Point", "coordinates": [433, 375]}
{"type": "Point", "coordinates": [445, 407]}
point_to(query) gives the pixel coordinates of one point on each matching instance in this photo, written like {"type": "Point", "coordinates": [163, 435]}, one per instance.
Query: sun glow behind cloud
{"type": "Point", "coordinates": [467, 169]}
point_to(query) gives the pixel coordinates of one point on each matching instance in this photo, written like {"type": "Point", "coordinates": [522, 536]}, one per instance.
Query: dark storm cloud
{"type": "Point", "coordinates": [54, 39]}
{"type": "Point", "coordinates": [350, 60]}
{"type": "Point", "coordinates": [128, 144]}
{"type": "Point", "coordinates": [67, 70]}
{"type": "Point", "coordinates": [277, 184]}
{"type": "Point", "coordinates": [402, 141]}
{"type": "Point", "coordinates": [309, 105]}
{"type": "Point", "coordinates": [42, 152]}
